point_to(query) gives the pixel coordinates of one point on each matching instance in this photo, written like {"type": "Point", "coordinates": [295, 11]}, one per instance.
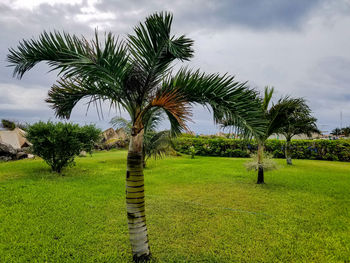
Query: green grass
{"type": "Point", "coordinates": [202, 210]}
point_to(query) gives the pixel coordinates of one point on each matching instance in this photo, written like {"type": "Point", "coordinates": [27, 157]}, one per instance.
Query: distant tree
{"type": "Point", "coordinates": [275, 118]}
{"type": "Point", "coordinates": [59, 143]}
{"type": "Point", "coordinates": [8, 124]}
{"type": "Point", "coordinates": [336, 132]}
{"type": "Point", "coordinates": [343, 131]}
{"type": "Point", "coordinates": [346, 131]}
{"type": "Point", "coordinates": [298, 121]}
{"type": "Point", "coordinates": [119, 122]}
{"type": "Point", "coordinates": [155, 144]}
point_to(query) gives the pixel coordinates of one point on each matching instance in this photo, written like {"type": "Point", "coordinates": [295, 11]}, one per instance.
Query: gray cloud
{"type": "Point", "coordinates": [300, 47]}
{"type": "Point", "coordinates": [257, 14]}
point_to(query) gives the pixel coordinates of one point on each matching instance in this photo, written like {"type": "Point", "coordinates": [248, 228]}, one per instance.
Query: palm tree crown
{"type": "Point", "coordinates": [135, 74]}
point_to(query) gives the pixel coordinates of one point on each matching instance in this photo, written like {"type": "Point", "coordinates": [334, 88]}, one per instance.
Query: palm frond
{"type": "Point", "coordinates": [119, 122]}
{"type": "Point", "coordinates": [157, 144]}
{"type": "Point", "coordinates": [277, 115]}
{"type": "Point", "coordinates": [71, 55]}
{"type": "Point", "coordinates": [268, 92]}
{"type": "Point", "coordinates": [153, 48]}
{"type": "Point", "coordinates": [227, 99]}
{"type": "Point", "coordinates": [152, 119]}
{"type": "Point", "coordinates": [300, 121]}
{"type": "Point", "coordinates": [174, 104]}
{"type": "Point", "coordinates": [87, 69]}
{"type": "Point", "coordinates": [66, 93]}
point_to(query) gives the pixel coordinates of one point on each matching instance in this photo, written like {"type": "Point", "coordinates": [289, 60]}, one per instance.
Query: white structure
{"type": "Point", "coordinates": [16, 138]}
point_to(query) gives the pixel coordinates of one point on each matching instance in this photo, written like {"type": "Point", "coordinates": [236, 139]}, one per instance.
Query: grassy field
{"type": "Point", "coordinates": [201, 210]}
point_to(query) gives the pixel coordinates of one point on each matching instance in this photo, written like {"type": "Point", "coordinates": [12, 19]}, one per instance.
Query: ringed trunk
{"type": "Point", "coordinates": [135, 200]}
{"type": "Point", "coordinates": [260, 164]}
{"type": "Point", "coordinates": [288, 152]}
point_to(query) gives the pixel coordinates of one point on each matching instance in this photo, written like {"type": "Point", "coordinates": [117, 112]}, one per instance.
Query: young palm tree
{"type": "Point", "coordinates": [155, 144]}
{"type": "Point", "coordinates": [136, 75]}
{"type": "Point", "coordinates": [299, 121]}
{"type": "Point", "coordinates": [275, 118]}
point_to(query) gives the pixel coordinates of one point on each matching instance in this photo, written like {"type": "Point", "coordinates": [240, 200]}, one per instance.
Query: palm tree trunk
{"type": "Point", "coordinates": [135, 200]}
{"type": "Point", "coordinates": [260, 163]}
{"type": "Point", "coordinates": [143, 158]}
{"type": "Point", "coordinates": [288, 151]}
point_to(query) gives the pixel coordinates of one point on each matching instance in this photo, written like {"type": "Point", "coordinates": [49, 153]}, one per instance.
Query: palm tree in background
{"type": "Point", "coordinates": [275, 118]}
{"type": "Point", "coordinates": [156, 144]}
{"type": "Point", "coordinates": [299, 121]}
{"type": "Point", "coordinates": [135, 74]}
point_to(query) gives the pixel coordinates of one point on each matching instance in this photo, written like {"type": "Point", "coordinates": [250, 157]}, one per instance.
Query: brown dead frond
{"type": "Point", "coordinates": [174, 102]}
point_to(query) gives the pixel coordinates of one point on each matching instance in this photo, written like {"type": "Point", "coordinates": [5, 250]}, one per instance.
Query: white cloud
{"type": "Point", "coordinates": [31, 4]}
{"type": "Point", "coordinates": [14, 97]}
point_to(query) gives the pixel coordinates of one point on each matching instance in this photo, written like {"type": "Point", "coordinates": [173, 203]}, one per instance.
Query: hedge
{"type": "Point", "coordinates": [332, 150]}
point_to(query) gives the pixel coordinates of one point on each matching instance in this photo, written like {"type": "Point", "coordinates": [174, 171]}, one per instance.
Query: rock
{"type": "Point", "coordinates": [21, 155]}
{"type": "Point", "coordinates": [109, 134]}
{"type": "Point", "coordinates": [7, 150]}
{"type": "Point", "coordinates": [5, 158]}
{"type": "Point", "coordinates": [82, 154]}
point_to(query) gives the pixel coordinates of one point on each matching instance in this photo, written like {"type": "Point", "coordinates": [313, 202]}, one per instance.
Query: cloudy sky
{"type": "Point", "coordinates": [300, 47]}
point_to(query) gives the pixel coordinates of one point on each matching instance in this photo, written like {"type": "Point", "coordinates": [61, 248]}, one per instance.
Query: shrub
{"type": "Point", "coordinates": [336, 150]}
{"type": "Point", "coordinates": [193, 152]}
{"type": "Point", "coordinates": [59, 143]}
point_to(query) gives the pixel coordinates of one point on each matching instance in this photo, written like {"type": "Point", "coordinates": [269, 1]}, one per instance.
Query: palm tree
{"type": "Point", "coordinates": [299, 121]}
{"type": "Point", "coordinates": [136, 74]}
{"type": "Point", "coordinates": [336, 131]}
{"type": "Point", "coordinates": [119, 122]}
{"type": "Point", "coordinates": [155, 144]}
{"type": "Point", "coordinates": [346, 131]}
{"type": "Point", "coordinates": [275, 119]}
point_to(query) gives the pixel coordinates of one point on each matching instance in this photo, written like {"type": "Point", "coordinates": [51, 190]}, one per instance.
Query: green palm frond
{"type": "Point", "coordinates": [277, 115]}
{"type": "Point", "coordinates": [153, 48]}
{"type": "Point", "coordinates": [73, 56]}
{"type": "Point", "coordinates": [119, 122]}
{"type": "Point", "coordinates": [226, 98]}
{"type": "Point", "coordinates": [300, 121]}
{"type": "Point", "coordinates": [152, 120]}
{"type": "Point", "coordinates": [268, 93]}
{"type": "Point", "coordinates": [157, 144]}
{"type": "Point", "coordinates": [87, 69]}
{"type": "Point", "coordinates": [66, 93]}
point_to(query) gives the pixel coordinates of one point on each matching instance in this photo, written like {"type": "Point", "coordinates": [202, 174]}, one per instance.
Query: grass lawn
{"type": "Point", "coordinates": [202, 210]}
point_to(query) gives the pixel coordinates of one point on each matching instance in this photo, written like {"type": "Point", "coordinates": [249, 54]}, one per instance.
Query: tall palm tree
{"type": "Point", "coordinates": [298, 121]}
{"type": "Point", "coordinates": [136, 74]}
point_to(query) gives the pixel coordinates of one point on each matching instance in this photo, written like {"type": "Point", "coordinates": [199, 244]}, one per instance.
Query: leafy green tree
{"type": "Point", "coordinates": [136, 74]}
{"type": "Point", "coordinates": [8, 124]}
{"type": "Point", "coordinates": [298, 121]}
{"type": "Point", "coordinates": [59, 143]}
